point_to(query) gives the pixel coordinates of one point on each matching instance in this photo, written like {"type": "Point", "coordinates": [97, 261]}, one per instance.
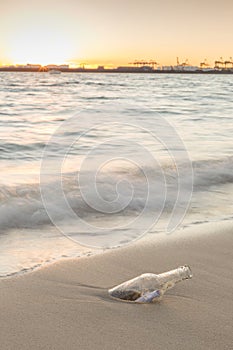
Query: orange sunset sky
{"type": "Point", "coordinates": [115, 32]}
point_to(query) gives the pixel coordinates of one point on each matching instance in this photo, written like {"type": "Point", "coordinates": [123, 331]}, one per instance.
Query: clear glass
{"type": "Point", "coordinates": [143, 286]}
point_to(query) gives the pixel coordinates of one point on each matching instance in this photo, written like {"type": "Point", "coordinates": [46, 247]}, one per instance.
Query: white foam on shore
{"type": "Point", "coordinates": [191, 232]}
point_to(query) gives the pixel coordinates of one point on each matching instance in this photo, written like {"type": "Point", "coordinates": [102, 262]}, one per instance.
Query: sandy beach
{"type": "Point", "coordinates": [66, 305]}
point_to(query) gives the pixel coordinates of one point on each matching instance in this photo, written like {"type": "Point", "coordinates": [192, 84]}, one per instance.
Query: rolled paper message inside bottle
{"type": "Point", "coordinates": [149, 297]}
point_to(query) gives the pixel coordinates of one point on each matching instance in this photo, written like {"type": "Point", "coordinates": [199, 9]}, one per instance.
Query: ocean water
{"type": "Point", "coordinates": [94, 161]}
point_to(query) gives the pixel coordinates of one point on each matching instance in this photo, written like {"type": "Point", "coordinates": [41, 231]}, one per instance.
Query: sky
{"type": "Point", "coordinates": [115, 32]}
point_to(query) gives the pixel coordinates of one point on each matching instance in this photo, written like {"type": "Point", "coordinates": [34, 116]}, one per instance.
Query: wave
{"type": "Point", "coordinates": [63, 83]}
{"type": "Point", "coordinates": [21, 152]}
{"type": "Point", "coordinates": [77, 82]}
{"type": "Point", "coordinates": [22, 207]}
{"type": "Point", "coordinates": [214, 172]}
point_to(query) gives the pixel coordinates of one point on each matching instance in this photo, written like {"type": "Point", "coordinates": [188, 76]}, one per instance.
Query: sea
{"type": "Point", "coordinates": [95, 161]}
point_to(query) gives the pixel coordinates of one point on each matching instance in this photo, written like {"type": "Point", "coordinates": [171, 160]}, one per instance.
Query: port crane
{"type": "Point", "coordinates": [141, 63]}
{"type": "Point", "coordinates": [204, 64]}
{"type": "Point", "coordinates": [219, 64]}
{"type": "Point", "coordinates": [226, 63]}
{"type": "Point", "coordinates": [183, 64]}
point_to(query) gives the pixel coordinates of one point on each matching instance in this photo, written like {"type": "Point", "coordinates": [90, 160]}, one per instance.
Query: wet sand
{"type": "Point", "coordinates": [66, 305]}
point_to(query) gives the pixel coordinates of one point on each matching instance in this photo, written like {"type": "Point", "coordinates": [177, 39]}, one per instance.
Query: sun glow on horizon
{"type": "Point", "coordinates": [109, 33]}
{"type": "Point", "coordinates": [40, 43]}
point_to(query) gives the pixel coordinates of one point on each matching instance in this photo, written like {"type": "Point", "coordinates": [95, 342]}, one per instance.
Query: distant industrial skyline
{"type": "Point", "coordinates": [113, 33]}
{"type": "Point", "coordinates": [218, 63]}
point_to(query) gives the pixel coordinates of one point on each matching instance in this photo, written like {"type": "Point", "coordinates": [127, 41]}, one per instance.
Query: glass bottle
{"type": "Point", "coordinates": [147, 283]}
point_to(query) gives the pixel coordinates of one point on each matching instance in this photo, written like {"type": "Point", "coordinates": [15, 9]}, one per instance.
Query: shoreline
{"type": "Point", "coordinates": [155, 238]}
{"type": "Point", "coordinates": [66, 304]}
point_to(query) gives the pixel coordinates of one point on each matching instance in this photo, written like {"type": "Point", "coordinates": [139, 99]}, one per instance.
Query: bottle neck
{"type": "Point", "coordinates": [176, 275]}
